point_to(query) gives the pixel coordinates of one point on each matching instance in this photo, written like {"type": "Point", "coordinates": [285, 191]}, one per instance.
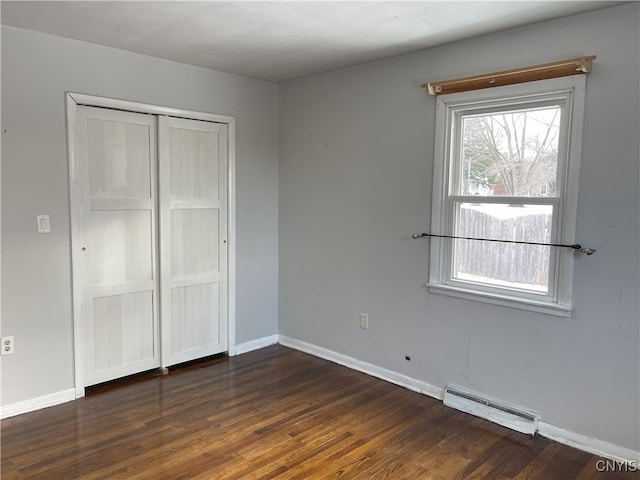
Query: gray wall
{"type": "Point", "coordinates": [37, 69]}
{"type": "Point", "coordinates": [356, 157]}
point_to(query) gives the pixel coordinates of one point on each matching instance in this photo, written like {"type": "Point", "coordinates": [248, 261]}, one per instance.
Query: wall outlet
{"type": "Point", "coordinates": [364, 321]}
{"type": "Point", "coordinates": [44, 223]}
{"type": "Point", "coordinates": [7, 345]}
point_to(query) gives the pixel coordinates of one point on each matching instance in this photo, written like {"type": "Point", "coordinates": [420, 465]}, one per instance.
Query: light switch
{"type": "Point", "coordinates": [44, 226]}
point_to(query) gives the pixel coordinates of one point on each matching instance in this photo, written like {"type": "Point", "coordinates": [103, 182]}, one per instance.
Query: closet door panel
{"type": "Point", "coordinates": [193, 251]}
{"type": "Point", "coordinates": [121, 244]}
{"type": "Point", "coordinates": [114, 246]}
{"type": "Point", "coordinates": [123, 330]}
{"type": "Point", "coordinates": [194, 314]}
{"type": "Point", "coordinates": [120, 158]}
{"type": "Point", "coordinates": [193, 225]}
{"type": "Point", "coordinates": [193, 160]}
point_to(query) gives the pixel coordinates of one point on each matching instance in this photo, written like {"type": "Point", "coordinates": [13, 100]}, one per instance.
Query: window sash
{"type": "Point", "coordinates": [458, 113]}
{"type": "Point", "coordinates": [452, 213]}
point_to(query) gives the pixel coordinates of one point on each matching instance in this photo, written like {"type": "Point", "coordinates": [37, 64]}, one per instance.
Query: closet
{"type": "Point", "coordinates": [149, 240]}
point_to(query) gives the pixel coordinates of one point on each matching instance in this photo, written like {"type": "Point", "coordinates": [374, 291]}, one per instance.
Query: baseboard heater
{"type": "Point", "coordinates": [505, 415]}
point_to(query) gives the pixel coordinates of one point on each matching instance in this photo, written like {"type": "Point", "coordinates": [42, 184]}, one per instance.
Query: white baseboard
{"type": "Point", "coordinates": [365, 367]}
{"type": "Point", "coordinates": [52, 399]}
{"type": "Point", "coordinates": [32, 404]}
{"type": "Point", "coordinates": [256, 344]}
{"type": "Point", "coordinates": [552, 432]}
{"type": "Point", "coordinates": [591, 445]}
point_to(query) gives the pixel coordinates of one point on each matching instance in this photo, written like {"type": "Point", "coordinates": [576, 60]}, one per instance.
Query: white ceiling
{"type": "Point", "coordinates": [280, 41]}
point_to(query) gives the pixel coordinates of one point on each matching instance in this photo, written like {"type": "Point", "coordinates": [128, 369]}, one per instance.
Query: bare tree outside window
{"type": "Point", "coordinates": [511, 153]}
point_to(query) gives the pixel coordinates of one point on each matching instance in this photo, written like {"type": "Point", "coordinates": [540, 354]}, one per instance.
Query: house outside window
{"type": "Point", "coordinates": [506, 168]}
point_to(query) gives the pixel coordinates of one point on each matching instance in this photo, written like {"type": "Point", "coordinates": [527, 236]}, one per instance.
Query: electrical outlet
{"type": "Point", "coordinates": [364, 321]}
{"type": "Point", "coordinates": [8, 345]}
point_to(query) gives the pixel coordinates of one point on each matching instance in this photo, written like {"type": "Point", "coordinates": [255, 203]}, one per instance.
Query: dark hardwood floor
{"type": "Point", "coordinates": [274, 413]}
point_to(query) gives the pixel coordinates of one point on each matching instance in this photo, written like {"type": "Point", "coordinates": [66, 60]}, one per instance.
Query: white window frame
{"type": "Point", "coordinates": [449, 108]}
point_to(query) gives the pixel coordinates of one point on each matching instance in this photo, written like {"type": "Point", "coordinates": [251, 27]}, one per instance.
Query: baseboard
{"type": "Point", "coordinates": [552, 432]}
{"type": "Point", "coordinates": [37, 403]}
{"type": "Point", "coordinates": [52, 399]}
{"type": "Point", "coordinates": [591, 445]}
{"type": "Point", "coordinates": [365, 367]}
{"type": "Point", "coordinates": [256, 344]}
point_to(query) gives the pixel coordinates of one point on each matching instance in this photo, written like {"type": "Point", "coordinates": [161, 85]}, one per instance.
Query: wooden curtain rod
{"type": "Point", "coordinates": [564, 68]}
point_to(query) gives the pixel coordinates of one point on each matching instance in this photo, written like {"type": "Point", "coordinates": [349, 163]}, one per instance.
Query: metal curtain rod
{"type": "Point", "coordinates": [576, 246]}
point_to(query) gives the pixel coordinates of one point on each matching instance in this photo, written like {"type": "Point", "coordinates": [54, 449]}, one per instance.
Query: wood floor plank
{"type": "Point", "coordinates": [275, 413]}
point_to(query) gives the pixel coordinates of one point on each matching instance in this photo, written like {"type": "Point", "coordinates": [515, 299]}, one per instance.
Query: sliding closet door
{"type": "Point", "coordinates": [193, 238]}
{"type": "Point", "coordinates": [113, 193]}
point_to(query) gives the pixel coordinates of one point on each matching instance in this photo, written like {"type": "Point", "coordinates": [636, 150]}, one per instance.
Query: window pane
{"type": "Point", "coordinates": [513, 153]}
{"type": "Point", "coordinates": [509, 265]}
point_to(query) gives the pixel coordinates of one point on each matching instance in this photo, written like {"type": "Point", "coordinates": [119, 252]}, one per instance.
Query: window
{"type": "Point", "coordinates": [506, 168]}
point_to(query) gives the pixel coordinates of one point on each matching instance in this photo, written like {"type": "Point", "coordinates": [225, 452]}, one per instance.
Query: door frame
{"type": "Point", "coordinates": [73, 101]}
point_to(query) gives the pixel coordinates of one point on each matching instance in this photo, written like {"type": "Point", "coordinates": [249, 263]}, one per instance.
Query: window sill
{"type": "Point", "coordinates": [546, 308]}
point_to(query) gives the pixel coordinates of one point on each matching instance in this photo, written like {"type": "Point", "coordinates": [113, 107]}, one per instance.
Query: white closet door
{"type": "Point", "coordinates": [113, 194]}
{"type": "Point", "coordinates": [193, 238]}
